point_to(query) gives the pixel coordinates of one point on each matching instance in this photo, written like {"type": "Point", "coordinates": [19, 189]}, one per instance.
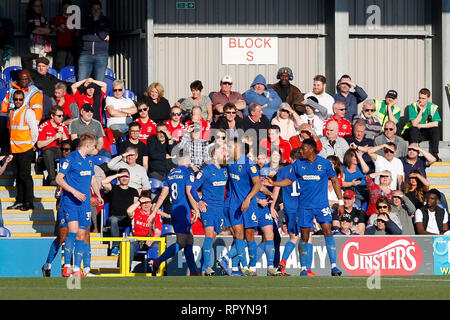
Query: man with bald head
{"type": "Point", "coordinates": [305, 132]}
{"type": "Point", "coordinates": [332, 144]}
{"type": "Point", "coordinates": [33, 99]}
{"type": "Point", "coordinates": [389, 135]}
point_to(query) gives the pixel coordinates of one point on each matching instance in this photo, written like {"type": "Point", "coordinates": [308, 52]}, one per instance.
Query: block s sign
{"type": "Point", "coordinates": [390, 255]}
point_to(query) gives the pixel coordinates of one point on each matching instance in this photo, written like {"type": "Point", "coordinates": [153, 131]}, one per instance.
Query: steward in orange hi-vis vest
{"type": "Point", "coordinates": [19, 130]}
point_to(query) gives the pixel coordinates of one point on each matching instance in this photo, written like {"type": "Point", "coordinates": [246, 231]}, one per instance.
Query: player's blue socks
{"type": "Point", "coordinates": [170, 252]}
{"type": "Point", "coordinates": [233, 251]}
{"type": "Point", "coordinates": [288, 248]}
{"type": "Point", "coordinates": [309, 255]}
{"type": "Point", "coordinates": [302, 253]}
{"type": "Point", "coordinates": [206, 250]}
{"type": "Point", "coordinates": [68, 248]}
{"type": "Point", "coordinates": [252, 253]}
{"type": "Point", "coordinates": [87, 255]}
{"type": "Point", "coordinates": [79, 249]}
{"type": "Point", "coordinates": [240, 247]}
{"type": "Point", "coordinates": [54, 248]}
{"type": "Point", "coordinates": [260, 251]}
{"type": "Point", "coordinates": [270, 252]}
{"type": "Point", "coordinates": [331, 248]}
{"type": "Point", "coordinates": [190, 259]}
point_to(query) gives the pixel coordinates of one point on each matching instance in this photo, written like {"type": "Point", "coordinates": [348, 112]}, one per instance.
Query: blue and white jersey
{"type": "Point", "coordinates": [241, 173]}
{"type": "Point", "coordinates": [213, 181]}
{"type": "Point", "coordinates": [78, 173]}
{"type": "Point", "coordinates": [313, 181]}
{"type": "Point", "coordinates": [177, 181]}
{"type": "Point", "coordinates": [290, 193]}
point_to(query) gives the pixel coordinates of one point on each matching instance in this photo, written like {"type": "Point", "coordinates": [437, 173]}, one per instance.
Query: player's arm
{"type": "Point", "coordinates": [106, 183]}
{"type": "Point", "coordinates": [95, 187]}
{"type": "Point", "coordinates": [201, 205]}
{"type": "Point", "coordinates": [131, 209]}
{"type": "Point", "coordinates": [63, 184]}
{"type": "Point", "coordinates": [159, 202]}
{"type": "Point", "coordinates": [255, 189]}
{"type": "Point", "coordinates": [275, 193]}
{"type": "Point", "coordinates": [338, 191]}
{"type": "Point", "coordinates": [193, 203]}
{"type": "Point", "coordinates": [286, 182]}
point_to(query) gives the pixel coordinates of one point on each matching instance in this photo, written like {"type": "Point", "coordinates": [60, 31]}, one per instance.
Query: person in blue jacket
{"type": "Point", "coordinates": [261, 94]}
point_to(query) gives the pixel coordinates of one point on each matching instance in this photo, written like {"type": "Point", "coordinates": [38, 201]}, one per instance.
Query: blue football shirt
{"type": "Point", "coordinates": [313, 181]}
{"type": "Point", "coordinates": [213, 181]}
{"type": "Point", "coordinates": [78, 173]}
{"type": "Point", "coordinates": [177, 181]}
{"type": "Point", "coordinates": [290, 193]}
{"type": "Point", "coordinates": [241, 174]}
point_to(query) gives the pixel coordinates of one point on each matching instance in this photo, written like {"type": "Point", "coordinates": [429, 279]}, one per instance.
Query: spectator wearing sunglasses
{"type": "Point", "coordinates": [229, 121]}
{"type": "Point", "coordinates": [288, 120]}
{"type": "Point", "coordinates": [385, 222]}
{"type": "Point", "coordinates": [226, 95]}
{"type": "Point", "coordinates": [119, 110]}
{"type": "Point", "coordinates": [390, 135]}
{"type": "Point", "coordinates": [413, 161]}
{"type": "Point", "coordinates": [174, 125]}
{"type": "Point", "coordinates": [198, 119]}
{"type": "Point", "coordinates": [51, 134]}
{"type": "Point", "coordinates": [133, 140]}
{"type": "Point", "coordinates": [345, 126]}
{"type": "Point", "coordinates": [148, 126]}
{"type": "Point", "coordinates": [387, 162]}
{"type": "Point", "coordinates": [373, 126]}
{"type": "Point", "coordinates": [159, 107]}
{"type": "Point", "coordinates": [377, 190]}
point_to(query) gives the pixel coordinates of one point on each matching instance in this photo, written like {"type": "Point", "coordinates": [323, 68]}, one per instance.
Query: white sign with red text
{"type": "Point", "coordinates": [249, 50]}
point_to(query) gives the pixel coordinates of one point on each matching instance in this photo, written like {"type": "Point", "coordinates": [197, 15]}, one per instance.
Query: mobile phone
{"type": "Point", "coordinates": [359, 179]}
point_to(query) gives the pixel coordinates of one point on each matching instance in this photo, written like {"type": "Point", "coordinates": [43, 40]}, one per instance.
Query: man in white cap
{"type": "Point", "coordinates": [224, 96]}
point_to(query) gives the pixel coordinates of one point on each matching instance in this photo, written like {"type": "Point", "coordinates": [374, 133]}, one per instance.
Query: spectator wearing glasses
{"type": "Point", "coordinates": [345, 126]}
{"type": "Point", "coordinates": [356, 217]}
{"type": "Point", "coordinates": [305, 132]}
{"type": "Point", "coordinates": [359, 139]}
{"type": "Point", "coordinates": [229, 121]}
{"type": "Point", "coordinates": [387, 162]}
{"type": "Point", "coordinates": [354, 168]}
{"type": "Point", "coordinates": [332, 143]}
{"type": "Point", "coordinates": [413, 161]}
{"type": "Point", "coordinates": [390, 135]}
{"type": "Point", "coordinates": [133, 140]}
{"type": "Point", "coordinates": [119, 110]}
{"type": "Point", "coordinates": [197, 99]}
{"type": "Point", "coordinates": [431, 219]}
{"type": "Point", "coordinates": [313, 118]}
{"type": "Point", "coordinates": [67, 102]}
{"type": "Point", "coordinates": [387, 109]}
{"type": "Point", "coordinates": [120, 196]}
{"type": "Point", "coordinates": [138, 174]}
{"type": "Point", "coordinates": [350, 99]}
{"type": "Point", "coordinates": [196, 147]}
{"type": "Point", "coordinates": [256, 120]}
{"type": "Point", "coordinates": [174, 124]}
{"type": "Point", "coordinates": [224, 96]}
{"type": "Point", "coordinates": [160, 150]}
{"type": "Point", "coordinates": [377, 190]}
{"type": "Point", "coordinates": [288, 120]}
{"type": "Point", "coordinates": [385, 223]}
{"type": "Point", "coordinates": [159, 107]}
{"type": "Point", "coordinates": [345, 226]}
{"type": "Point", "coordinates": [148, 126]}
{"type": "Point", "coordinates": [405, 211]}
{"type": "Point", "coordinates": [373, 126]}
{"type": "Point", "coordinates": [416, 187]}
{"type": "Point", "coordinates": [197, 118]}
{"type": "Point", "coordinates": [51, 134]}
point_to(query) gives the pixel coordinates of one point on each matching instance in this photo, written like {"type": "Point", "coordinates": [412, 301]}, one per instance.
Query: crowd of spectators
{"type": "Point", "coordinates": [380, 165]}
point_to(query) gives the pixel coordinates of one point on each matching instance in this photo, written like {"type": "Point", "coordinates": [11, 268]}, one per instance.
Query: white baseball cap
{"type": "Point", "coordinates": [226, 78]}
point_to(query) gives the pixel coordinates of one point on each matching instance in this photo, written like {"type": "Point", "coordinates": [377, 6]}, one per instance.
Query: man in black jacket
{"type": "Point", "coordinates": [159, 151]}
{"type": "Point", "coordinates": [431, 219]}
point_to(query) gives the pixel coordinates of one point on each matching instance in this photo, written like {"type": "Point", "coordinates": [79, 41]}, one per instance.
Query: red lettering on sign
{"type": "Point", "coordinates": [250, 56]}
{"type": "Point", "coordinates": [260, 41]}
{"type": "Point", "coordinates": [232, 42]}
{"type": "Point", "coordinates": [267, 43]}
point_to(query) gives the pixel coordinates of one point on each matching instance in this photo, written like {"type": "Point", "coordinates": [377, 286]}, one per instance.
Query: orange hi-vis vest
{"type": "Point", "coordinates": [33, 98]}
{"type": "Point", "coordinates": [19, 131]}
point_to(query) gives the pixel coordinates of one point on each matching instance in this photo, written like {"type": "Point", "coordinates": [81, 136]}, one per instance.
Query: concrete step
{"type": "Point", "coordinates": [444, 150]}
{"type": "Point", "coordinates": [439, 167]}
{"type": "Point", "coordinates": [438, 180]}
{"type": "Point", "coordinates": [8, 180]}
{"type": "Point", "coordinates": [30, 215]}
{"type": "Point", "coordinates": [44, 227]}
{"type": "Point", "coordinates": [38, 191]}
{"type": "Point", "coordinates": [39, 203]}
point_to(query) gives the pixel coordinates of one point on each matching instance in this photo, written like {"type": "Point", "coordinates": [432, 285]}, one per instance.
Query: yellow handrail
{"type": "Point", "coordinates": [125, 255]}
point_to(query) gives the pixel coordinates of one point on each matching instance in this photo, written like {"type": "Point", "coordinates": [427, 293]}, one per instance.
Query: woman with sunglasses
{"type": "Point", "coordinates": [384, 222]}
{"type": "Point", "coordinates": [416, 187]}
{"type": "Point", "coordinates": [378, 190]}
{"type": "Point", "coordinates": [148, 126]}
{"type": "Point", "coordinates": [175, 126]}
{"type": "Point", "coordinates": [288, 120]}
{"type": "Point", "coordinates": [159, 107]}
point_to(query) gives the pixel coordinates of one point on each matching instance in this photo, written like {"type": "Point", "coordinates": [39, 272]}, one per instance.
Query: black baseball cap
{"type": "Point", "coordinates": [392, 94]}
{"type": "Point", "coordinates": [87, 107]}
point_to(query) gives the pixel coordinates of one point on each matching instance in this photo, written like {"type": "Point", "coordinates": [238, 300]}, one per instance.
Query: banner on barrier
{"type": "Point", "coordinates": [356, 255]}
{"type": "Point", "coordinates": [441, 253]}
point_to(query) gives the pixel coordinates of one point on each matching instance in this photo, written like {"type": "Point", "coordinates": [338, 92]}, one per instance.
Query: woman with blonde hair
{"type": "Point", "coordinates": [288, 120]}
{"type": "Point", "coordinates": [159, 107]}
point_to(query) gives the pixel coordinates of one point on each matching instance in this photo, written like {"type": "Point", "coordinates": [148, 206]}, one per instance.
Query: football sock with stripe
{"type": "Point", "coordinates": [309, 255]}
{"type": "Point", "coordinates": [206, 251]}
{"type": "Point", "coordinates": [68, 248]}
{"type": "Point", "coordinates": [331, 248]}
{"type": "Point", "coordinates": [270, 252]}
{"type": "Point", "coordinates": [260, 251]}
{"type": "Point", "coordinates": [78, 254]}
{"type": "Point", "coordinates": [87, 255]}
{"type": "Point", "coordinates": [53, 251]}
{"type": "Point", "coordinates": [252, 253]}
{"type": "Point", "coordinates": [288, 248]}
{"type": "Point", "coordinates": [240, 247]}
{"type": "Point", "coordinates": [190, 259]}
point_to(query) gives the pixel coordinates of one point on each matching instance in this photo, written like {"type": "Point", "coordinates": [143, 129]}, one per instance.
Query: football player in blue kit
{"type": "Point", "coordinates": [179, 183]}
{"type": "Point", "coordinates": [75, 177]}
{"type": "Point", "coordinates": [312, 173]}
{"type": "Point", "coordinates": [212, 180]}
{"type": "Point", "coordinates": [244, 185]}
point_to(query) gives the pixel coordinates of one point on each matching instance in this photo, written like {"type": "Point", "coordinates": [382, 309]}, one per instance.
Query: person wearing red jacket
{"type": "Point", "coordinates": [275, 142]}
{"type": "Point", "coordinates": [306, 132]}
{"type": "Point", "coordinates": [345, 127]}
